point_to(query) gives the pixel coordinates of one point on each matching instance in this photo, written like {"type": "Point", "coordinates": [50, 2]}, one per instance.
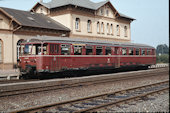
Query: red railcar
{"type": "Point", "coordinates": [54, 54]}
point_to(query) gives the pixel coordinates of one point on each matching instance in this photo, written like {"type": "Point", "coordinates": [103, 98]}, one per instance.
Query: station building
{"type": "Point", "coordinates": [63, 18]}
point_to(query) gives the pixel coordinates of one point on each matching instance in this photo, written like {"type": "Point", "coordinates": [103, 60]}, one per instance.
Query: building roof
{"type": "Point", "coordinates": [81, 3]}
{"type": "Point", "coordinates": [49, 39]}
{"type": "Point", "coordinates": [30, 19]}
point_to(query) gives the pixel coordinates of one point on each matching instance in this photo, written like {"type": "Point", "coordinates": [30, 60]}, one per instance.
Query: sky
{"type": "Point", "coordinates": [152, 17]}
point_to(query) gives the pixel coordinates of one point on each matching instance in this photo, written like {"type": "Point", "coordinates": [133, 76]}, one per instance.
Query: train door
{"type": "Point", "coordinates": [54, 62]}
{"type": "Point", "coordinates": [117, 57]}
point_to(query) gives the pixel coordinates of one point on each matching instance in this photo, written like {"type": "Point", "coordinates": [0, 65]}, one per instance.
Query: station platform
{"type": "Point", "coordinates": [9, 74]}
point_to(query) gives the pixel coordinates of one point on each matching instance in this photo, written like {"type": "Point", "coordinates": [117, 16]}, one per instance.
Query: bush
{"type": "Point", "coordinates": [164, 58]}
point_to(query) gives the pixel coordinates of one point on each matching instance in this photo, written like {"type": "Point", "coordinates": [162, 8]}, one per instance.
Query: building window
{"type": "Point", "coordinates": [1, 22]}
{"type": "Point", "coordinates": [107, 12]}
{"type": "Point", "coordinates": [41, 9]}
{"type": "Point", "coordinates": [98, 27]}
{"type": "Point", "coordinates": [111, 29]}
{"type": "Point", "coordinates": [125, 31]}
{"type": "Point", "coordinates": [101, 11]}
{"type": "Point", "coordinates": [118, 30]}
{"type": "Point", "coordinates": [102, 27]}
{"type": "Point", "coordinates": [0, 50]}
{"type": "Point", "coordinates": [89, 26]}
{"type": "Point", "coordinates": [77, 24]}
{"type": "Point", "coordinates": [108, 30]}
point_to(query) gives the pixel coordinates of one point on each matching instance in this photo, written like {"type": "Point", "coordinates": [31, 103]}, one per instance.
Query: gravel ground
{"type": "Point", "coordinates": [35, 99]}
{"type": "Point", "coordinates": [157, 103]}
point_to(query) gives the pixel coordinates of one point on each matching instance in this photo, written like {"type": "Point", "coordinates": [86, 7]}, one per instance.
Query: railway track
{"type": "Point", "coordinates": [41, 88]}
{"type": "Point", "coordinates": [103, 101]}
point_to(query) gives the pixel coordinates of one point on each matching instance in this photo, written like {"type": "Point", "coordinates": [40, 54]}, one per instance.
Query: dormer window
{"type": "Point", "coordinates": [1, 22]}
{"type": "Point", "coordinates": [101, 11]}
{"type": "Point", "coordinates": [41, 9]}
{"type": "Point", "coordinates": [107, 12]}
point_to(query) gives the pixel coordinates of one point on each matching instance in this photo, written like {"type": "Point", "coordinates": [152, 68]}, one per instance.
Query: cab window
{"type": "Point", "coordinates": [148, 52]}
{"type": "Point", "coordinates": [45, 49]}
{"type": "Point", "coordinates": [65, 49]}
{"type": "Point", "coordinates": [36, 49]}
{"type": "Point", "coordinates": [27, 49]}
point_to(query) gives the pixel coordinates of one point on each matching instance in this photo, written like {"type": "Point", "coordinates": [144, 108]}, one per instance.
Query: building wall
{"type": "Point", "coordinates": [42, 9]}
{"type": "Point", "coordinates": [64, 19]}
{"type": "Point", "coordinates": [83, 27]}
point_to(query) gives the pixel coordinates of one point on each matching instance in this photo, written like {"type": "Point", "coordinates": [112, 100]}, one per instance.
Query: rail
{"type": "Point", "coordinates": [97, 102]}
{"type": "Point", "coordinates": [41, 88]}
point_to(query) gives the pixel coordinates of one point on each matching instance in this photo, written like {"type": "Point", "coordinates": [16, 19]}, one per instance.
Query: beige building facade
{"type": "Point", "coordinates": [103, 22]}
{"type": "Point", "coordinates": [68, 18]}
{"type": "Point", "coordinates": [14, 28]}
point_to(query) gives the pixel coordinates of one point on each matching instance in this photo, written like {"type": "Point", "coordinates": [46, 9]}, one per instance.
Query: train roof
{"type": "Point", "coordinates": [49, 39]}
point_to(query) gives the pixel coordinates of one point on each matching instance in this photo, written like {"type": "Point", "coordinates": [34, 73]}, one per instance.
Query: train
{"type": "Point", "coordinates": [45, 54]}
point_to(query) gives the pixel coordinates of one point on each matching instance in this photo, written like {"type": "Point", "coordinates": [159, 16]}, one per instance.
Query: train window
{"type": "Point", "coordinates": [108, 51]}
{"type": "Point", "coordinates": [36, 49]}
{"type": "Point", "coordinates": [137, 51]}
{"type": "Point", "coordinates": [148, 52]}
{"type": "Point", "coordinates": [54, 48]}
{"type": "Point", "coordinates": [124, 51]}
{"type": "Point", "coordinates": [27, 49]}
{"type": "Point", "coordinates": [89, 50]}
{"type": "Point", "coordinates": [153, 51]}
{"type": "Point", "coordinates": [99, 50]}
{"type": "Point", "coordinates": [130, 51]}
{"type": "Point", "coordinates": [65, 49]}
{"type": "Point", "coordinates": [143, 51]}
{"type": "Point", "coordinates": [45, 50]}
{"type": "Point", "coordinates": [116, 52]}
{"type": "Point", "coordinates": [77, 50]}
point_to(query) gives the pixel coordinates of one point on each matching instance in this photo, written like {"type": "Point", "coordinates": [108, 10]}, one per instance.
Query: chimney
{"type": "Point", "coordinates": [41, 1]}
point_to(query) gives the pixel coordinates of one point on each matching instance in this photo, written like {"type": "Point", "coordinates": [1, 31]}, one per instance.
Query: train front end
{"type": "Point", "coordinates": [31, 58]}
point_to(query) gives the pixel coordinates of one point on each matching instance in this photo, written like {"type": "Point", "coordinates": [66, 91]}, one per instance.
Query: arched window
{"type": "Point", "coordinates": [111, 29]}
{"type": "Point", "coordinates": [98, 27]}
{"type": "Point", "coordinates": [125, 31]}
{"type": "Point", "coordinates": [19, 48]}
{"type": "Point", "coordinates": [102, 27]}
{"type": "Point", "coordinates": [1, 50]}
{"type": "Point", "coordinates": [108, 30]}
{"type": "Point", "coordinates": [77, 24]}
{"type": "Point", "coordinates": [89, 27]}
{"type": "Point", "coordinates": [118, 30]}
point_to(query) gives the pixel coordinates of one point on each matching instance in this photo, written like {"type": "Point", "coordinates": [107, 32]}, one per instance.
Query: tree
{"type": "Point", "coordinates": [162, 49]}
